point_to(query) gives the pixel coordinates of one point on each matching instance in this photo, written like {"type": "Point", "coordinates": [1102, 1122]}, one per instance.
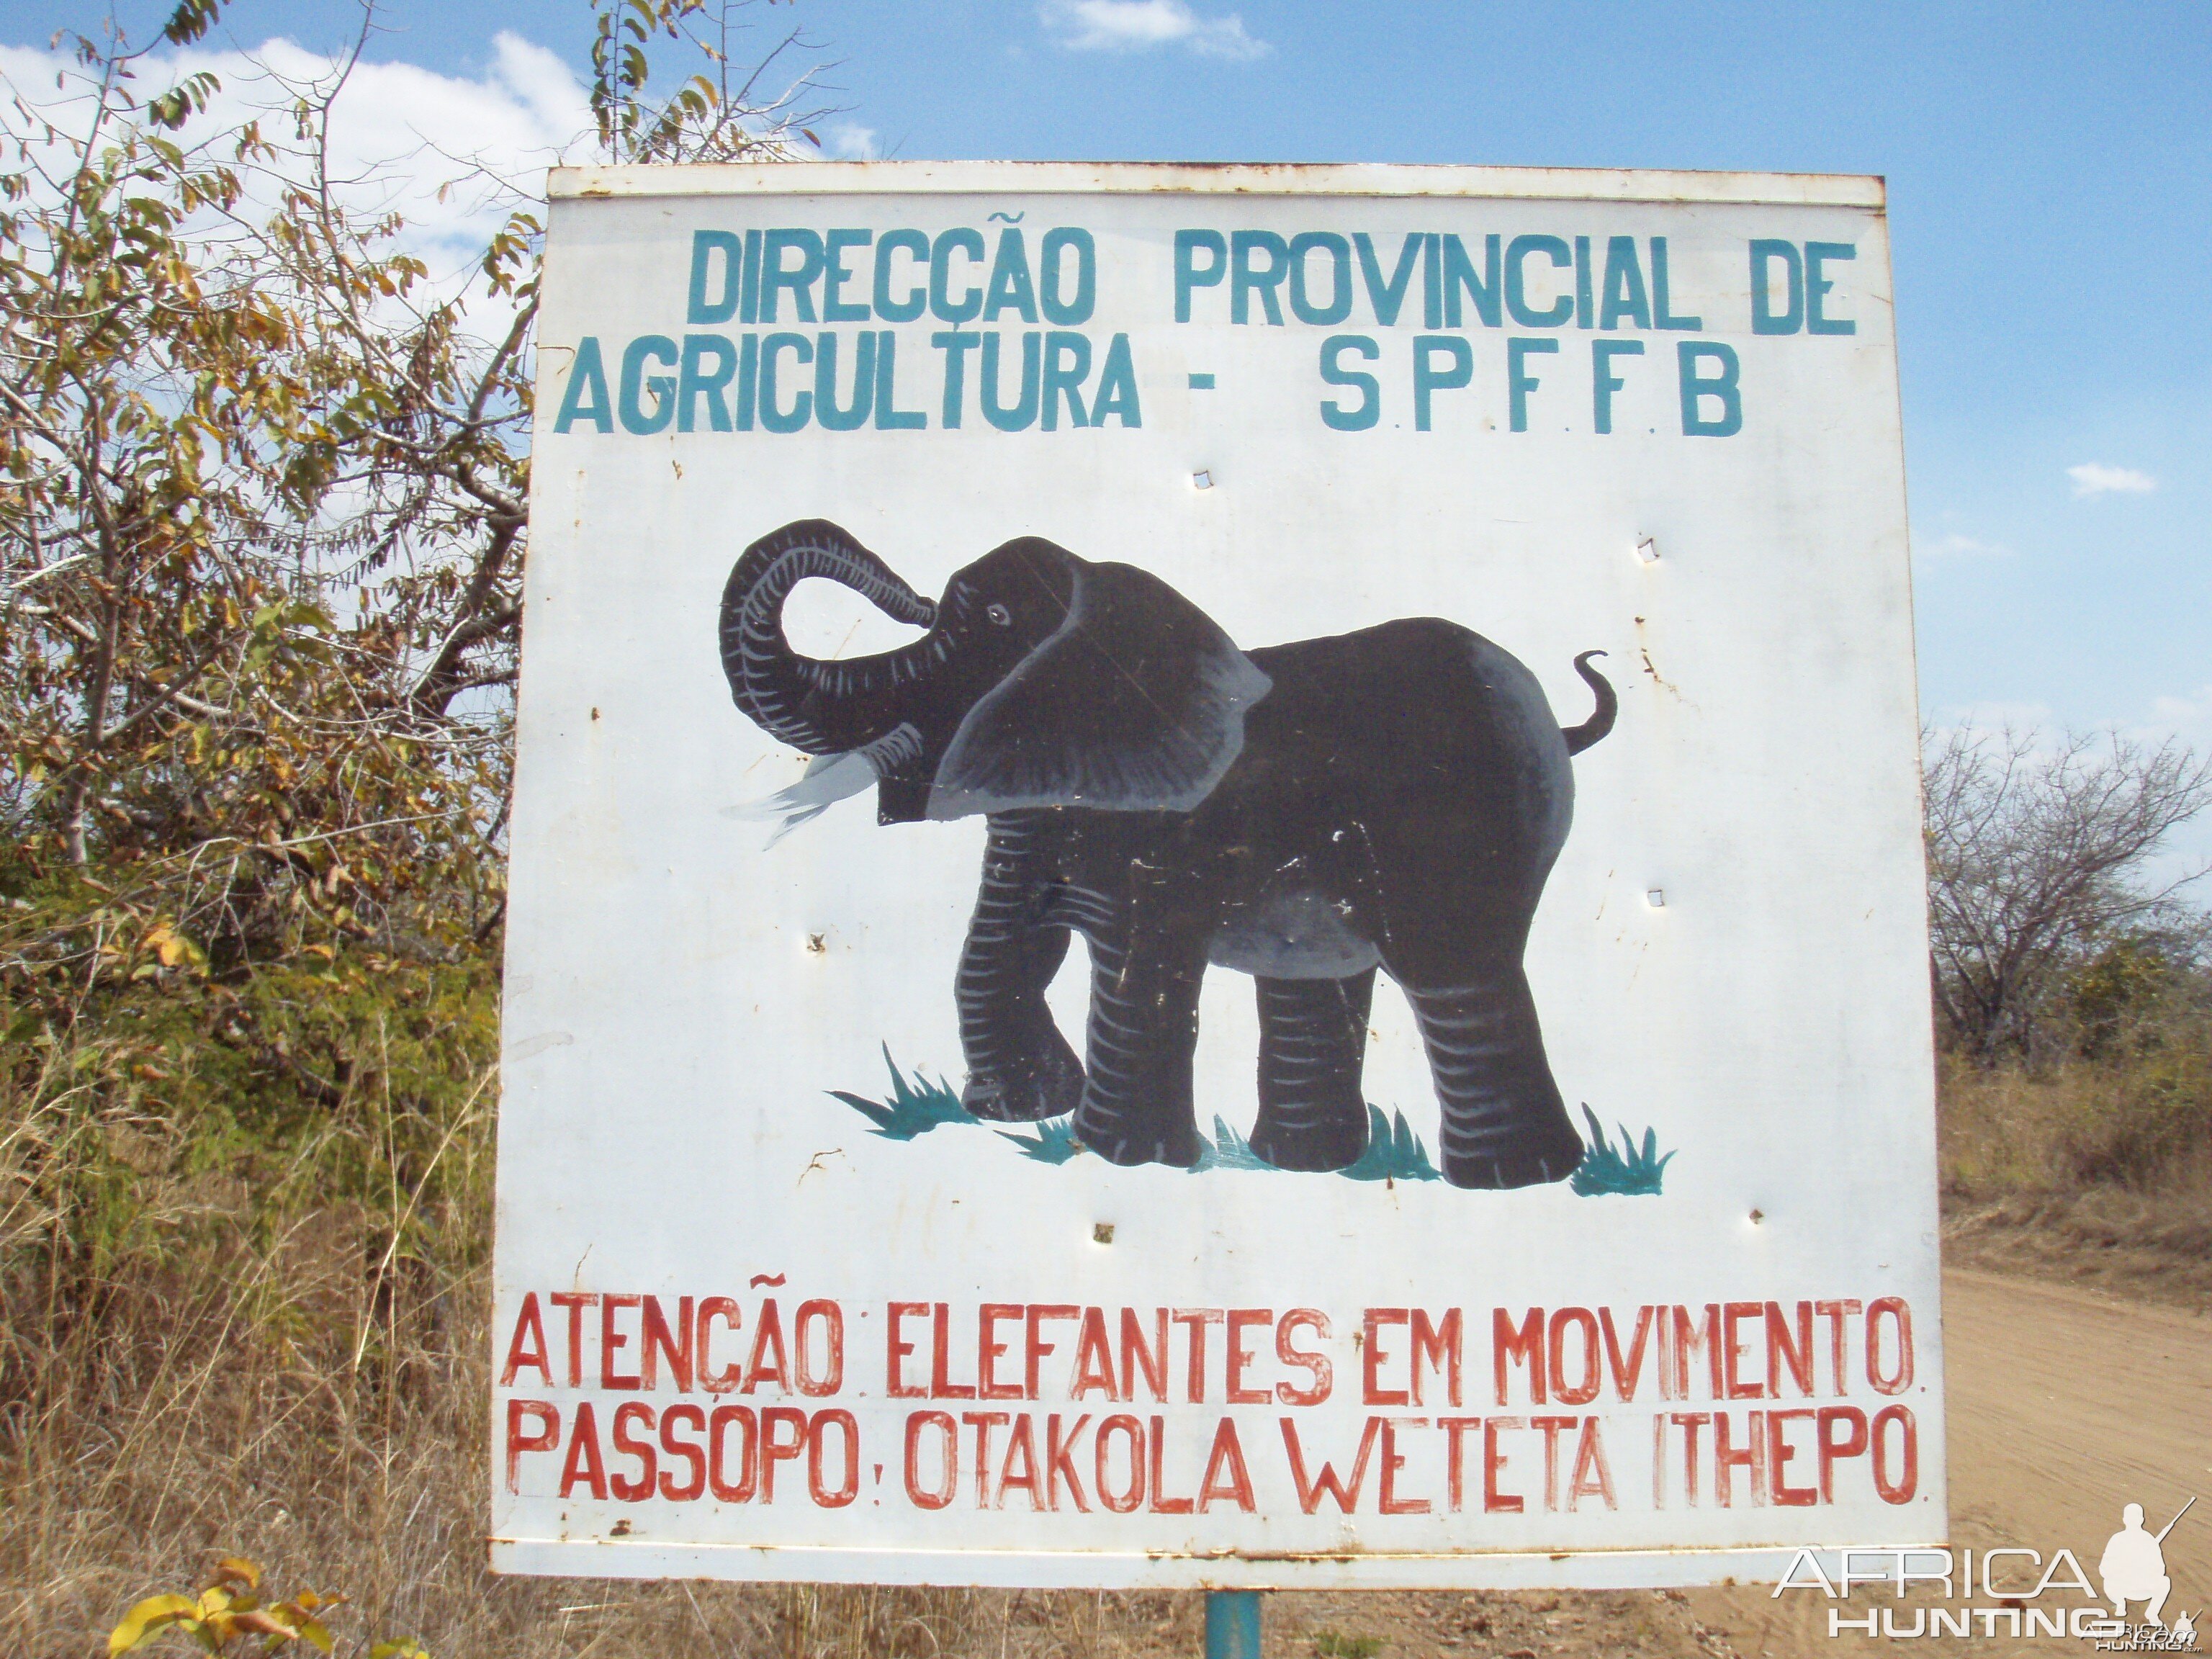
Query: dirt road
{"type": "Point", "coordinates": [2064, 1406]}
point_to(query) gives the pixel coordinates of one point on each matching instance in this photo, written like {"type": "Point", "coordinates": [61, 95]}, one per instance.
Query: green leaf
{"type": "Point", "coordinates": [173, 108]}
{"type": "Point", "coordinates": [190, 21]}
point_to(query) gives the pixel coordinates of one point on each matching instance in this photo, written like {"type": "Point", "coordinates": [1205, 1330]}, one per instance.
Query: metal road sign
{"type": "Point", "coordinates": [1217, 881]}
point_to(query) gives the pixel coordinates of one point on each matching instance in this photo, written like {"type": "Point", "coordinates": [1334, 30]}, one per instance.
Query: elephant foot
{"type": "Point", "coordinates": [1334, 1143]}
{"type": "Point", "coordinates": [1528, 1159]}
{"type": "Point", "coordinates": [1051, 1087]}
{"type": "Point", "coordinates": [1313, 1041]}
{"type": "Point", "coordinates": [1119, 1141]}
{"type": "Point", "coordinates": [1504, 1123]}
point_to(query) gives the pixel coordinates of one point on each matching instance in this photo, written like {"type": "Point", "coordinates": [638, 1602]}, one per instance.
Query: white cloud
{"type": "Point", "coordinates": [1990, 717]}
{"type": "Point", "coordinates": [452, 155]}
{"type": "Point", "coordinates": [848, 141]}
{"type": "Point", "coordinates": [2095, 478]}
{"type": "Point", "coordinates": [1142, 25]}
{"type": "Point", "coordinates": [1962, 547]}
{"type": "Point", "coordinates": [2171, 714]}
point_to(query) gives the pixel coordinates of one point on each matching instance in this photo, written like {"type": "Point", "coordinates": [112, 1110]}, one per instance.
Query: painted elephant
{"type": "Point", "coordinates": [1303, 814]}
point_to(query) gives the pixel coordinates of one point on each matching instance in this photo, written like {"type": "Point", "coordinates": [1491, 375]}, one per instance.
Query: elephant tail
{"type": "Point", "coordinates": [1580, 737]}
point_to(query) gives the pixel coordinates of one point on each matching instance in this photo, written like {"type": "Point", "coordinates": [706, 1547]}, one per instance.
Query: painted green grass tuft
{"type": "Point", "coordinates": [1054, 1142]}
{"type": "Point", "coordinates": [1634, 1169]}
{"type": "Point", "coordinates": [1393, 1151]}
{"type": "Point", "coordinates": [913, 1109]}
{"type": "Point", "coordinates": [1227, 1151]}
{"type": "Point", "coordinates": [916, 1105]}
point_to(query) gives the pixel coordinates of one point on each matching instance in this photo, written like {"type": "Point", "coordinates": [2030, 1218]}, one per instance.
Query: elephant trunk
{"type": "Point", "coordinates": [820, 707]}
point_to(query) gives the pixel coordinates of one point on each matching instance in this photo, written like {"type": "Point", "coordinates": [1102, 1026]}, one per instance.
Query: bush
{"type": "Point", "coordinates": [2136, 1114]}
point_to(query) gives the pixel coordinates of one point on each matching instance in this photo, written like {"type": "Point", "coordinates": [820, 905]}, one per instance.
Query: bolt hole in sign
{"type": "Point", "coordinates": [1006, 834]}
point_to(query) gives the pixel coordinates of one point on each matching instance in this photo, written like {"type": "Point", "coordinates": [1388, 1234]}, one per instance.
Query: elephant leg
{"type": "Point", "coordinates": [1505, 1124]}
{"type": "Point", "coordinates": [1144, 1032]}
{"type": "Point", "coordinates": [1313, 1042]}
{"type": "Point", "coordinates": [1020, 1068]}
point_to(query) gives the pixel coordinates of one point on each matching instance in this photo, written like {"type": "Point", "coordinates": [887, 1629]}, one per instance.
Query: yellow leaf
{"type": "Point", "coordinates": [156, 1613]}
{"type": "Point", "coordinates": [173, 949]}
{"type": "Point", "coordinates": [213, 1600]}
{"type": "Point", "coordinates": [310, 1630]}
{"type": "Point", "coordinates": [232, 1568]}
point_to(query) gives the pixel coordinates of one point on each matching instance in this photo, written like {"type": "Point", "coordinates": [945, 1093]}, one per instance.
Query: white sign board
{"type": "Point", "coordinates": [1101, 989]}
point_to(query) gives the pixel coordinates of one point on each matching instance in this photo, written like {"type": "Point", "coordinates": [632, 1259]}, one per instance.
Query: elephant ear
{"type": "Point", "coordinates": [1135, 705]}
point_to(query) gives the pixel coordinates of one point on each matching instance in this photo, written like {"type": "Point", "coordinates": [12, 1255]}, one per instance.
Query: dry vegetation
{"type": "Point", "coordinates": [2073, 984]}
{"type": "Point", "coordinates": [2095, 1170]}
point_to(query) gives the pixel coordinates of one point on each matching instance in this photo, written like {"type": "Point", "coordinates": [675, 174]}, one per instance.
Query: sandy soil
{"type": "Point", "coordinates": [2065, 1404]}
{"type": "Point", "coordinates": [2153, 1248]}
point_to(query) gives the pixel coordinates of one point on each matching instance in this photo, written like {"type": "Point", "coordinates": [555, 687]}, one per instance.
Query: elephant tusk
{"type": "Point", "coordinates": [830, 779]}
{"type": "Point", "coordinates": [827, 780]}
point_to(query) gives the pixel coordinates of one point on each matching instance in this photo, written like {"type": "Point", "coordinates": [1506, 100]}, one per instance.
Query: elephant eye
{"type": "Point", "coordinates": [999, 614]}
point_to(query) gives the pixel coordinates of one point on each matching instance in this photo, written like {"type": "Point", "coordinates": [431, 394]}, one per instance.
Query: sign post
{"type": "Point", "coordinates": [1216, 883]}
{"type": "Point", "coordinates": [1232, 1625]}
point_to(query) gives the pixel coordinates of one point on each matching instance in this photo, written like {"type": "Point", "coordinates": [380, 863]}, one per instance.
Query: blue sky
{"type": "Point", "coordinates": [2051, 185]}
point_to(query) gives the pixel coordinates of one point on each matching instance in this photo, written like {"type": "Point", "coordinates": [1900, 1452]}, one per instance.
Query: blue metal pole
{"type": "Point", "coordinates": [1232, 1625]}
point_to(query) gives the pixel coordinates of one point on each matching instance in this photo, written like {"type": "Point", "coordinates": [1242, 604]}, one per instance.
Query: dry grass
{"type": "Point", "coordinates": [2093, 1170]}
{"type": "Point", "coordinates": [2139, 1123]}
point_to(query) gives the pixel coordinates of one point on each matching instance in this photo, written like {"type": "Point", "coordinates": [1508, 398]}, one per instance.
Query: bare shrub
{"type": "Point", "coordinates": [2038, 858]}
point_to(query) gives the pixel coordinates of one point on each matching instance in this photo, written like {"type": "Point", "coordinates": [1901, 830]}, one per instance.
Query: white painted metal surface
{"type": "Point", "coordinates": [1269, 179]}
{"type": "Point", "coordinates": [950, 1359]}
